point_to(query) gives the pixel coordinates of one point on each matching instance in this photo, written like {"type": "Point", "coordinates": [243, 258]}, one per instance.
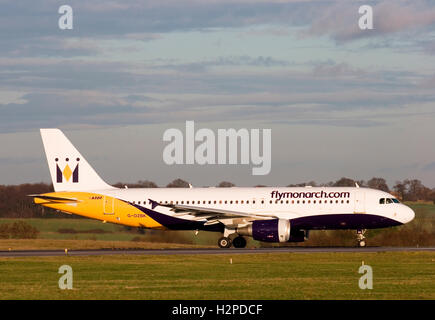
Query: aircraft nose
{"type": "Point", "coordinates": [406, 214]}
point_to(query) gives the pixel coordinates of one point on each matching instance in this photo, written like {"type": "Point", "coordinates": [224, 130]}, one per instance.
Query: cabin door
{"type": "Point", "coordinates": [108, 205]}
{"type": "Point", "coordinates": [360, 203]}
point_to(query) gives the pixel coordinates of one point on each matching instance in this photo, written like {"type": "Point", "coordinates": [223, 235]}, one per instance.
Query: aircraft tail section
{"type": "Point", "coordinates": [69, 170]}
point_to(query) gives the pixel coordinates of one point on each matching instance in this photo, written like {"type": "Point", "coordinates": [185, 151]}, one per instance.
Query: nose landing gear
{"type": "Point", "coordinates": [360, 238]}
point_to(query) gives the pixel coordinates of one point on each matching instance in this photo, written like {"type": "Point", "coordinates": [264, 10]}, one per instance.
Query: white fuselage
{"type": "Point", "coordinates": [284, 203]}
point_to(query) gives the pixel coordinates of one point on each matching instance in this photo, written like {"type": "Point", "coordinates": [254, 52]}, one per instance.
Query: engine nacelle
{"type": "Point", "coordinates": [276, 230]}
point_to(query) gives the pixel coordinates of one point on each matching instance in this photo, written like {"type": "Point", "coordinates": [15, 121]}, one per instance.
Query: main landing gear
{"type": "Point", "coordinates": [360, 238]}
{"type": "Point", "coordinates": [224, 242]}
{"type": "Point", "coordinates": [237, 242]}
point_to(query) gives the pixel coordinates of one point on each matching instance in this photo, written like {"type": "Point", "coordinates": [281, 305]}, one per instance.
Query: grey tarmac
{"type": "Point", "coordinates": [194, 251]}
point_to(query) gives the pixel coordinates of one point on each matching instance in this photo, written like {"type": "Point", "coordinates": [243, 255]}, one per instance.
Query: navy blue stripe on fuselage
{"type": "Point", "coordinates": [342, 221]}
{"type": "Point", "coordinates": [175, 223]}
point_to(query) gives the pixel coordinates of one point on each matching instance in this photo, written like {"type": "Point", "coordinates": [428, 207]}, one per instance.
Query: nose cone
{"type": "Point", "coordinates": [406, 214]}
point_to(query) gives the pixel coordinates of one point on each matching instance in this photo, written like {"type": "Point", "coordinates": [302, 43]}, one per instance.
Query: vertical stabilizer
{"type": "Point", "coordinates": [68, 168]}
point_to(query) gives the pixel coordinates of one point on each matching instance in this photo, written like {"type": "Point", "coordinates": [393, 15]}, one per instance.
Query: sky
{"type": "Point", "coordinates": [340, 101]}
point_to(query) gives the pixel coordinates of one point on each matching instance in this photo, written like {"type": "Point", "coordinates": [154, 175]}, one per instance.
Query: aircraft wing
{"type": "Point", "coordinates": [213, 215]}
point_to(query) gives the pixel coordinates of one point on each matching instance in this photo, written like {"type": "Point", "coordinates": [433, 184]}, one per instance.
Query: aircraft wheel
{"type": "Point", "coordinates": [224, 242]}
{"type": "Point", "coordinates": [239, 242]}
{"type": "Point", "coordinates": [362, 243]}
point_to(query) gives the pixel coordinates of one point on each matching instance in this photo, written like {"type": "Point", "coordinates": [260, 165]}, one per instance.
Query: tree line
{"type": "Point", "coordinates": [15, 203]}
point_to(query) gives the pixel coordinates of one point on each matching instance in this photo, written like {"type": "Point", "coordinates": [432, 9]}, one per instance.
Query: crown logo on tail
{"type": "Point", "coordinates": [67, 173]}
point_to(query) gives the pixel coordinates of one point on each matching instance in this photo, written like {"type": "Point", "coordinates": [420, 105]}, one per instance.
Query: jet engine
{"type": "Point", "coordinates": [275, 230]}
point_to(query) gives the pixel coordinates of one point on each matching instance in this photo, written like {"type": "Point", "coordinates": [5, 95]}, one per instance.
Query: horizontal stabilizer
{"type": "Point", "coordinates": [39, 199]}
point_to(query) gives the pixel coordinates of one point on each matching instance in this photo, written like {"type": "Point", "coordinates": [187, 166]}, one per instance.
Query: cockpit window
{"type": "Point", "coordinates": [388, 200]}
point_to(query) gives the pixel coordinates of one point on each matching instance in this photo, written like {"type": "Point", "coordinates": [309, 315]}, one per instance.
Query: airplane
{"type": "Point", "coordinates": [268, 214]}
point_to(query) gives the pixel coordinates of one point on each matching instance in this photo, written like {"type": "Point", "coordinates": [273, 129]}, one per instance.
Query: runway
{"type": "Point", "coordinates": [232, 251]}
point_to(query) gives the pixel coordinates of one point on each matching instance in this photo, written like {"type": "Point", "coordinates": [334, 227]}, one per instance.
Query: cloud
{"type": "Point", "coordinates": [30, 28]}
{"type": "Point", "coordinates": [227, 61]}
{"type": "Point", "coordinates": [50, 46]}
{"type": "Point", "coordinates": [53, 110]}
{"type": "Point", "coordinates": [429, 167]}
{"type": "Point", "coordinates": [340, 21]}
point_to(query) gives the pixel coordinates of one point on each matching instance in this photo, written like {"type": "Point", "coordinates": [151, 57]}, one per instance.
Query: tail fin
{"type": "Point", "coordinates": [68, 168]}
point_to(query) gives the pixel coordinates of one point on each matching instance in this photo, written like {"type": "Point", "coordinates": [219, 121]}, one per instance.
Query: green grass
{"type": "Point", "coordinates": [49, 229]}
{"type": "Point", "coordinates": [396, 275]}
